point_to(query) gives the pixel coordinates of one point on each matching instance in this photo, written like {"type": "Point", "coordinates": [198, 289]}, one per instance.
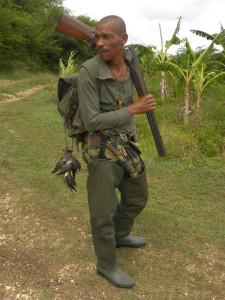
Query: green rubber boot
{"type": "Point", "coordinates": [105, 250]}
{"type": "Point", "coordinates": [134, 196]}
{"type": "Point", "coordinates": [131, 241]}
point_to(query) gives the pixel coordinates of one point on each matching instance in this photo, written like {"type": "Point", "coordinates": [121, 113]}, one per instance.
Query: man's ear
{"type": "Point", "coordinates": [124, 38]}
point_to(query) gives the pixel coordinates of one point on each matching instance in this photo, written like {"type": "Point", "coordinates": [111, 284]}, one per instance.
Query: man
{"type": "Point", "coordinates": [106, 100]}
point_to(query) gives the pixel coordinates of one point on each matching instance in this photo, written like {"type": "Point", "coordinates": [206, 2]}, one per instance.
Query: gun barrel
{"type": "Point", "coordinates": [136, 74]}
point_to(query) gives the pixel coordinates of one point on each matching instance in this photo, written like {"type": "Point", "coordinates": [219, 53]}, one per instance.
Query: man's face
{"type": "Point", "coordinates": [108, 41]}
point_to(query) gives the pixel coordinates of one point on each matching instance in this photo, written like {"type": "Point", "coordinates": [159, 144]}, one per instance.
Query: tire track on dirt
{"type": "Point", "coordinates": [6, 82]}
{"type": "Point", "coordinates": [22, 95]}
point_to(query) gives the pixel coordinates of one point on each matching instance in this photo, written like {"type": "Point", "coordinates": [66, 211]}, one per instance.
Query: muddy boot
{"type": "Point", "coordinates": [134, 196]}
{"type": "Point", "coordinates": [105, 250]}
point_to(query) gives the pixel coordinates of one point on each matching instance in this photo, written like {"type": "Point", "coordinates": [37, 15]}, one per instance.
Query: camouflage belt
{"type": "Point", "coordinates": [123, 139]}
{"type": "Point", "coordinates": [117, 149]}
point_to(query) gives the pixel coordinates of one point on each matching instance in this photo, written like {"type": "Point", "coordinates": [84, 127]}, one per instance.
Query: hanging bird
{"type": "Point", "coordinates": [62, 160]}
{"type": "Point", "coordinates": [66, 165]}
{"type": "Point", "coordinates": [71, 164]}
{"type": "Point", "coordinates": [59, 164]}
{"type": "Point", "coordinates": [69, 181]}
{"type": "Point", "coordinates": [75, 163]}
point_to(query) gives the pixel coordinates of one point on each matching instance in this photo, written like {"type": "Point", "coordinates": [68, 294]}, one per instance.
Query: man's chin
{"type": "Point", "coordinates": [104, 57]}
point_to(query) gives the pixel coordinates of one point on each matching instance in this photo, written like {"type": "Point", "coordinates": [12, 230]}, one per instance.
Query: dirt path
{"type": "Point", "coordinates": [20, 95]}
{"type": "Point", "coordinates": [5, 82]}
{"type": "Point", "coordinates": [21, 260]}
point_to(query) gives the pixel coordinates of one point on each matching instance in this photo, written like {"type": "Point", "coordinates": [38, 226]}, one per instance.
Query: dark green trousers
{"type": "Point", "coordinates": [111, 219]}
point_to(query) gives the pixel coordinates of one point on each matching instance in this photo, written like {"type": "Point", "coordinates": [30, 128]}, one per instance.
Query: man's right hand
{"type": "Point", "coordinates": [142, 105]}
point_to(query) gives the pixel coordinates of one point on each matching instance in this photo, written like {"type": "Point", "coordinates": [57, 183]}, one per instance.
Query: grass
{"type": "Point", "coordinates": [54, 257]}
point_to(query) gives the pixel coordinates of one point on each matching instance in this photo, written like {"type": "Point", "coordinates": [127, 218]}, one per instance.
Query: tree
{"type": "Point", "coordinates": [193, 72]}
{"type": "Point", "coordinates": [202, 79]}
{"type": "Point", "coordinates": [220, 41]}
{"type": "Point", "coordinates": [161, 56]}
{"type": "Point", "coordinates": [27, 36]}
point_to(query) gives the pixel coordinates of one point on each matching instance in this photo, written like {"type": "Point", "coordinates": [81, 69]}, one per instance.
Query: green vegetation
{"type": "Point", "coordinates": [68, 68]}
{"type": "Point", "coordinates": [28, 39]}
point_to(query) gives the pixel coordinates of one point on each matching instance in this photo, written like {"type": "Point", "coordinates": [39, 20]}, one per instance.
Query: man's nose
{"type": "Point", "coordinates": [99, 42]}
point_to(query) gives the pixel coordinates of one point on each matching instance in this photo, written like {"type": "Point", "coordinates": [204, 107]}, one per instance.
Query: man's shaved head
{"type": "Point", "coordinates": [118, 23]}
{"type": "Point", "coordinates": [110, 38]}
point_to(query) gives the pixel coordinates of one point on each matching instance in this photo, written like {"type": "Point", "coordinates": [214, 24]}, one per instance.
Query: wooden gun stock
{"type": "Point", "coordinates": [71, 26]}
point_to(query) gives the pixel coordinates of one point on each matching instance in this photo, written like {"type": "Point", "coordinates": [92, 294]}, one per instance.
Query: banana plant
{"type": "Point", "coordinates": [220, 41]}
{"type": "Point", "coordinates": [161, 56]}
{"type": "Point", "coordinates": [202, 79]}
{"type": "Point", "coordinates": [194, 72]}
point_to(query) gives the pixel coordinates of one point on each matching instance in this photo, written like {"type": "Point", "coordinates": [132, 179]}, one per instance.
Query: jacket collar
{"type": "Point", "coordinates": [104, 73]}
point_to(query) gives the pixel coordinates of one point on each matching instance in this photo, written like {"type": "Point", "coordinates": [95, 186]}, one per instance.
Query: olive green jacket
{"type": "Point", "coordinates": [99, 99]}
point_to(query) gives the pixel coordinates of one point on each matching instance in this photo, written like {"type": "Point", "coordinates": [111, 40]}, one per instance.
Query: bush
{"type": "Point", "coordinates": [210, 139]}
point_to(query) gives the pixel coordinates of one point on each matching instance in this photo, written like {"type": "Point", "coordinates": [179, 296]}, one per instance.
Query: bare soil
{"type": "Point", "coordinates": [5, 82]}
{"type": "Point", "coordinates": [20, 95]}
{"type": "Point", "coordinates": [28, 269]}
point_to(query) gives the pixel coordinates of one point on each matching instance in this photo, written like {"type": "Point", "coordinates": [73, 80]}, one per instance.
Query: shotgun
{"type": "Point", "coordinates": [132, 61]}
{"type": "Point", "coordinates": [73, 27]}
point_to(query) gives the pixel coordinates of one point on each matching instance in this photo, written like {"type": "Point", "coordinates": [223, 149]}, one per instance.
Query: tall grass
{"type": "Point", "coordinates": [69, 67]}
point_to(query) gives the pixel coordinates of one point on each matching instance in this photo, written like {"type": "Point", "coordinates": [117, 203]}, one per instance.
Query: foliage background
{"type": "Point", "coordinates": [28, 38]}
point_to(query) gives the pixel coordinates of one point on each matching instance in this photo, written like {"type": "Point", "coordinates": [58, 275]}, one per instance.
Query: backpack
{"type": "Point", "coordinates": [68, 102]}
{"type": "Point", "coordinates": [68, 107]}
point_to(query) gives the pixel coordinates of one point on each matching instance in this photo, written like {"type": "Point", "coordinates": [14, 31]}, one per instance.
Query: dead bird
{"type": "Point", "coordinates": [68, 165]}
{"type": "Point", "coordinates": [69, 181]}
{"type": "Point", "coordinates": [62, 161]}
{"type": "Point", "coordinates": [59, 164]}
{"type": "Point", "coordinates": [71, 164]}
{"type": "Point", "coordinates": [75, 162]}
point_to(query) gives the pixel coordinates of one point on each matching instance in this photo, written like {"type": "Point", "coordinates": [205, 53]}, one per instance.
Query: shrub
{"type": "Point", "coordinates": [210, 140]}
